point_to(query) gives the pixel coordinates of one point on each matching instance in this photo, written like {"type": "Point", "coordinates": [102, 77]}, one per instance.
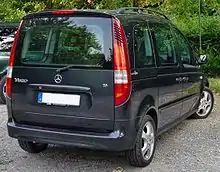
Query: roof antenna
{"type": "Point", "coordinates": [200, 29]}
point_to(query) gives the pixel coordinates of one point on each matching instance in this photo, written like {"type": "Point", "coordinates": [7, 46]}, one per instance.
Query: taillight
{"type": "Point", "coordinates": [62, 12]}
{"type": "Point", "coordinates": [11, 63]}
{"type": "Point", "coordinates": [122, 75]}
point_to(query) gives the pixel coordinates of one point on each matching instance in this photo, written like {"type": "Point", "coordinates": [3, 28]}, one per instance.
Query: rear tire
{"type": "Point", "coordinates": [32, 147]}
{"type": "Point", "coordinates": [3, 90]}
{"type": "Point", "coordinates": [137, 156]}
{"type": "Point", "coordinates": [205, 106]}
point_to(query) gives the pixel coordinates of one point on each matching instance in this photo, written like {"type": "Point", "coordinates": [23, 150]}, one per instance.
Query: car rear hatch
{"type": "Point", "coordinates": [63, 73]}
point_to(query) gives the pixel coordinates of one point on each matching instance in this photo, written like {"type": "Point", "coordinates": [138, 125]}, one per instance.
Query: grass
{"type": "Point", "coordinates": [214, 84]}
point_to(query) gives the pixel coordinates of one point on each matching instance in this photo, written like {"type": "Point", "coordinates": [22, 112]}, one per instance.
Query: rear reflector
{"type": "Point", "coordinates": [122, 75]}
{"type": "Point", "coordinates": [63, 12]}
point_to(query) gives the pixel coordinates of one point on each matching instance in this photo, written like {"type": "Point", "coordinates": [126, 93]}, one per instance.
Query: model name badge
{"type": "Point", "coordinates": [19, 80]}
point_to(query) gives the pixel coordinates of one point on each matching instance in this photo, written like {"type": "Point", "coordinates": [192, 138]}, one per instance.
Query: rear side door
{"type": "Point", "coordinates": [168, 75]}
{"type": "Point", "coordinates": [144, 76]}
{"type": "Point", "coordinates": [48, 92]}
{"type": "Point", "coordinates": [190, 75]}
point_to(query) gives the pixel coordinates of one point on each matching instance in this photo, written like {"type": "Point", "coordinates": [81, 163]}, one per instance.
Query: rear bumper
{"type": "Point", "coordinates": [119, 140]}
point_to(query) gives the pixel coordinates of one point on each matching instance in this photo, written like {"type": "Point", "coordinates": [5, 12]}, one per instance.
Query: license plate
{"type": "Point", "coordinates": [58, 99]}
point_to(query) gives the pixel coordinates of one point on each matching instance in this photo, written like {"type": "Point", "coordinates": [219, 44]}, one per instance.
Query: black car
{"type": "Point", "coordinates": [110, 80]}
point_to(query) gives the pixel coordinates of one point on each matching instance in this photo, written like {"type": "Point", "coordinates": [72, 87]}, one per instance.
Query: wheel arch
{"type": "Point", "coordinates": [206, 82]}
{"type": "Point", "coordinates": [148, 105]}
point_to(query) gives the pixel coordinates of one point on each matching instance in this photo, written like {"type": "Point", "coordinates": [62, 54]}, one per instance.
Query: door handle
{"type": "Point", "coordinates": [179, 79]}
{"type": "Point", "coordinates": [185, 79]}
{"type": "Point", "coordinates": [134, 73]}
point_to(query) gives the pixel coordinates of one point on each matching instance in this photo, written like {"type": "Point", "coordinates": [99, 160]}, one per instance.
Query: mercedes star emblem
{"type": "Point", "coordinates": [58, 78]}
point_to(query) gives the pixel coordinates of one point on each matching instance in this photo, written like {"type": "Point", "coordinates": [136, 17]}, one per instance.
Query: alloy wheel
{"type": "Point", "coordinates": [148, 140]}
{"type": "Point", "coordinates": [205, 104]}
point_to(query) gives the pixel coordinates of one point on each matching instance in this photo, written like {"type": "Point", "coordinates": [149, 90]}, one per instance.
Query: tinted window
{"type": "Point", "coordinates": [66, 40]}
{"type": "Point", "coordinates": [129, 37]}
{"type": "Point", "coordinates": [142, 46]}
{"type": "Point", "coordinates": [184, 49]}
{"type": "Point", "coordinates": [164, 45]}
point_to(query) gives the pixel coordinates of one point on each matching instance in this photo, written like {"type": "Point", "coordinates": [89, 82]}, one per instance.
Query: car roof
{"type": "Point", "coordinates": [133, 19]}
{"type": "Point", "coordinates": [128, 16]}
{"type": "Point", "coordinates": [68, 12]}
{"type": "Point", "coordinates": [131, 11]}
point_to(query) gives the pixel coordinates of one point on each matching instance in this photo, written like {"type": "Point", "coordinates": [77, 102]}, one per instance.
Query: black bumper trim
{"type": "Point", "coordinates": [114, 141]}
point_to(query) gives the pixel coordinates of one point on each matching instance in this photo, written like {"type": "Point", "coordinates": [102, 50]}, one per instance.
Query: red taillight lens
{"type": "Point", "coordinates": [11, 63]}
{"type": "Point", "coordinates": [62, 12]}
{"type": "Point", "coordinates": [122, 75]}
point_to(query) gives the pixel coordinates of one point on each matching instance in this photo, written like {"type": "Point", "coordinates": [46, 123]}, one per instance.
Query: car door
{"type": "Point", "coordinates": [168, 74]}
{"type": "Point", "coordinates": [190, 75]}
{"type": "Point", "coordinates": [145, 71]}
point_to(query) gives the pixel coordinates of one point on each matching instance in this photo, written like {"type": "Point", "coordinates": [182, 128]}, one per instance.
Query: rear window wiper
{"type": "Point", "coordinates": [64, 68]}
{"type": "Point", "coordinates": [75, 65]}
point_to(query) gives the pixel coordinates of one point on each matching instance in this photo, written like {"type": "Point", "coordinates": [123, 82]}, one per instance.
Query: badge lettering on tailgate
{"type": "Point", "coordinates": [21, 80]}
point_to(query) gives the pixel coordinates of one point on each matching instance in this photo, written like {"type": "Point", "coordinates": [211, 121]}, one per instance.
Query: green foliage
{"type": "Point", "coordinates": [212, 68]}
{"type": "Point", "coordinates": [210, 26]}
{"type": "Point", "coordinates": [214, 84]}
{"type": "Point", "coordinates": [114, 4]}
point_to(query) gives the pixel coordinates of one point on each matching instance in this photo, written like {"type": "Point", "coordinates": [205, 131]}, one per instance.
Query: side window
{"type": "Point", "coordinates": [142, 47]}
{"type": "Point", "coordinates": [129, 37]}
{"type": "Point", "coordinates": [165, 45]}
{"type": "Point", "coordinates": [184, 49]}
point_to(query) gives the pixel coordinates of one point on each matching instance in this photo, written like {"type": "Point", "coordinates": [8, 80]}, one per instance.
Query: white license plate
{"type": "Point", "coordinates": [59, 99]}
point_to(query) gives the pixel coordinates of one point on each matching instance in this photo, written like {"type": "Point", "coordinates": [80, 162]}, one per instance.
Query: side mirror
{"type": "Point", "coordinates": [203, 59]}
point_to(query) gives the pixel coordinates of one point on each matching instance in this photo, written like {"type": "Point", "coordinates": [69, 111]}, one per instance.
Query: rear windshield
{"type": "Point", "coordinates": [77, 41]}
